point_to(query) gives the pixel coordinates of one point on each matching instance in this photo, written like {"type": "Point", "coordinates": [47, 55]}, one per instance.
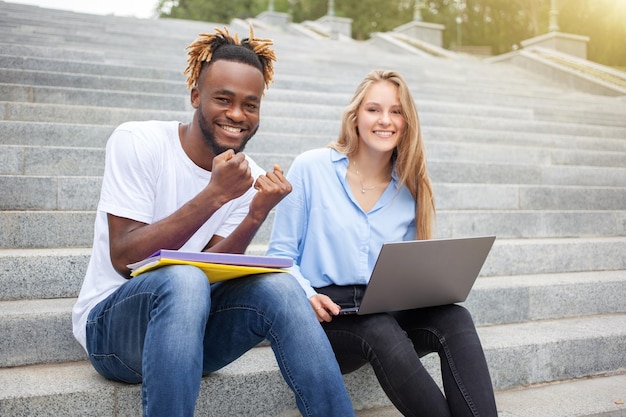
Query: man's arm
{"type": "Point", "coordinates": [271, 189]}
{"type": "Point", "coordinates": [131, 241]}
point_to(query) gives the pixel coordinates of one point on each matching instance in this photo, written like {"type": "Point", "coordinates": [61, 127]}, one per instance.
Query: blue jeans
{"type": "Point", "coordinates": [169, 327]}
{"type": "Point", "coordinates": [393, 344]}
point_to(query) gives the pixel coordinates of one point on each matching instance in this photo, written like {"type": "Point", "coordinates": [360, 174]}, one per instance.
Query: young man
{"type": "Point", "coordinates": [189, 186]}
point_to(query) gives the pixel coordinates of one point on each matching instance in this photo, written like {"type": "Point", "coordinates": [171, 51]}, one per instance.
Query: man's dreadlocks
{"type": "Point", "coordinates": [221, 45]}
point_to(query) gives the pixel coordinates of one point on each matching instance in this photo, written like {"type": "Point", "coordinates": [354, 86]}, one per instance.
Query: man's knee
{"type": "Point", "coordinates": [285, 287]}
{"type": "Point", "coordinates": [183, 284]}
{"type": "Point", "coordinates": [282, 296]}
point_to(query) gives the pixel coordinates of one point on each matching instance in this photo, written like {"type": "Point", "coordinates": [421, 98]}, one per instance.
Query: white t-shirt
{"type": "Point", "coordinates": [147, 177]}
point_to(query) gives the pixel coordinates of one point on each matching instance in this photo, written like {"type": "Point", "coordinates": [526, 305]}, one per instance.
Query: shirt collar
{"type": "Point", "coordinates": [336, 156]}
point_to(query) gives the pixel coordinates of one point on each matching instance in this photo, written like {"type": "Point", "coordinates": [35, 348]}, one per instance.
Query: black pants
{"type": "Point", "coordinates": [393, 344]}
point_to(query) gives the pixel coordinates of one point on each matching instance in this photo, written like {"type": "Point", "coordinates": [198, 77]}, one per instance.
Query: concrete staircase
{"type": "Point", "coordinates": [541, 167]}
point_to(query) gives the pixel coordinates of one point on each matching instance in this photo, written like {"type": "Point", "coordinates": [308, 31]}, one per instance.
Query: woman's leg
{"type": "Point", "coordinates": [379, 340]}
{"type": "Point", "coordinates": [449, 330]}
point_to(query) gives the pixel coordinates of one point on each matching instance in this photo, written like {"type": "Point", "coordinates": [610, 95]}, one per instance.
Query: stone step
{"type": "Point", "coordinates": [528, 353]}
{"type": "Point", "coordinates": [77, 89]}
{"type": "Point", "coordinates": [49, 229]}
{"type": "Point", "coordinates": [54, 61]}
{"type": "Point", "coordinates": [486, 77]}
{"type": "Point", "coordinates": [81, 28]}
{"type": "Point", "coordinates": [58, 272]}
{"type": "Point", "coordinates": [23, 93]}
{"type": "Point", "coordinates": [81, 193]}
{"type": "Point", "coordinates": [69, 135]}
{"type": "Point", "coordinates": [430, 82]}
{"type": "Point", "coordinates": [44, 87]}
{"type": "Point", "coordinates": [525, 298]}
{"type": "Point", "coordinates": [601, 396]}
{"type": "Point", "coordinates": [89, 90]}
{"type": "Point", "coordinates": [486, 163]}
{"type": "Point", "coordinates": [15, 80]}
{"type": "Point", "coordinates": [441, 75]}
{"type": "Point", "coordinates": [74, 229]}
{"type": "Point", "coordinates": [555, 255]}
{"type": "Point", "coordinates": [42, 273]}
{"type": "Point", "coordinates": [168, 44]}
{"type": "Point", "coordinates": [528, 197]}
{"type": "Point", "coordinates": [535, 352]}
{"type": "Point", "coordinates": [23, 51]}
{"type": "Point", "coordinates": [35, 112]}
{"type": "Point", "coordinates": [296, 135]}
{"type": "Point", "coordinates": [534, 224]}
{"type": "Point", "coordinates": [493, 301]}
{"type": "Point", "coordinates": [252, 385]}
{"type": "Point", "coordinates": [42, 61]}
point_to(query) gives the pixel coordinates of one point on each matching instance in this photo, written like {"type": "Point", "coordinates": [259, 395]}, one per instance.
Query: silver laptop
{"type": "Point", "coordinates": [423, 273]}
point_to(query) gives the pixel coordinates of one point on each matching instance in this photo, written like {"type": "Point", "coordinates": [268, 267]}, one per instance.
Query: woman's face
{"type": "Point", "coordinates": [380, 122]}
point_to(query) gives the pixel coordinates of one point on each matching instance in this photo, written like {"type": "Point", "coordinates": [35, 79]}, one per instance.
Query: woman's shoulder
{"type": "Point", "coordinates": [313, 154]}
{"type": "Point", "coordinates": [311, 160]}
{"type": "Point", "coordinates": [317, 156]}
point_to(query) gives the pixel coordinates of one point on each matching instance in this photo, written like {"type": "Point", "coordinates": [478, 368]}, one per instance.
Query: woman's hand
{"type": "Point", "coordinates": [324, 307]}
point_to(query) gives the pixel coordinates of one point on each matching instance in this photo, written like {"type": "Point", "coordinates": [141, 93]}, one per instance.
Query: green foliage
{"type": "Point", "coordinates": [500, 24]}
{"type": "Point", "coordinates": [220, 11]}
{"type": "Point", "coordinates": [370, 16]}
{"type": "Point", "coordinates": [307, 9]}
{"type": "Point", "coordinates": [604, 22]}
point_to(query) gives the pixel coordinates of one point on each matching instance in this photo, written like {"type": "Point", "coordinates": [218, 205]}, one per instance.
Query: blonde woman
{"type": "Point", "coordinates": [369, 187]}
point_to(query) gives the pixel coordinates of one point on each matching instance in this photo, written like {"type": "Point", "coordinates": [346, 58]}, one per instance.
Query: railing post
{"type": "Point", "coordinates": [417, 10]}
{"type": "Point", "coordinates": [554, 14]}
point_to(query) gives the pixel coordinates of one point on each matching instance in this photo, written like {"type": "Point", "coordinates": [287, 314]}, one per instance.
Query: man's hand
{"type": "Point", "coordinates": [230, 176]}
{"type": "Point", "coordinates": [272, 187]}
{"type": "Point", "coordinates": [324, 307]}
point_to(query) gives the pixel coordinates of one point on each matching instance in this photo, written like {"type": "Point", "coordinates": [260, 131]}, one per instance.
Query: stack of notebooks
{"type": "Point", "coordinates": [216, 266]}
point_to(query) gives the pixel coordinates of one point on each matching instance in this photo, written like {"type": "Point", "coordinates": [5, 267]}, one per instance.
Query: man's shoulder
{"type": "Point", "coordinates": [147, 126]}
{"type": "Point", "coordinates": [143, 135]}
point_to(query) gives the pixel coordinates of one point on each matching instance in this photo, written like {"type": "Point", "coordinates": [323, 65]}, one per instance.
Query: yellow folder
{"type": "Point", "coordinates": [214, 272]}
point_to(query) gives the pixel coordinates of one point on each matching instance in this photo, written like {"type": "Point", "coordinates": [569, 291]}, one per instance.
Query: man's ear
{"type": "Point", "coordinates": [195, 97]}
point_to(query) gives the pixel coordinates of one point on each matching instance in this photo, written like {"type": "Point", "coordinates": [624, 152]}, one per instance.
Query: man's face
{"type": "Point", "coordinates": [228, 100]}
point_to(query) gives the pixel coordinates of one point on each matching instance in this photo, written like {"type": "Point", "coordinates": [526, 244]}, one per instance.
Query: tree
{"type": "Point", "coordinates": [306, 9]}
{"type": "Point", "coordinates": [603, 22]}
{"type": "Point", "coordinates": [370, 16]}
{"type": "Point", "coordinates": [496, 23]}
{"type": "Point", "coordinates": [221, 11]}
{"type": "Point", "coordinates": [500, 24]}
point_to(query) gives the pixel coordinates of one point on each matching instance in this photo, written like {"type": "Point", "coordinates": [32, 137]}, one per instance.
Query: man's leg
{"type": "Point", "coordinates": [151, 330]}
{"type": "Point", "coordinates": [273, 306]}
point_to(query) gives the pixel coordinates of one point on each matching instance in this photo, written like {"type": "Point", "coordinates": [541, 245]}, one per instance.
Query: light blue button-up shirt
{"type": "Point", "coordinates": [324, 230]}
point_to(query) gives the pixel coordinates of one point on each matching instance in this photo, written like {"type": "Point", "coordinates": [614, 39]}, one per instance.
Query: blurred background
{"type": "Point", "coordinates": [494, 26]}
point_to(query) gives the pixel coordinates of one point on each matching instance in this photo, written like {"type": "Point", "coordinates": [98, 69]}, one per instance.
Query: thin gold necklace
{"type": "Point", "coordinates": [363, 189]}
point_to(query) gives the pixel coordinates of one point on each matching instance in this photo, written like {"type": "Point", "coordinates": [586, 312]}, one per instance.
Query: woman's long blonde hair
{"type": "Point", "coordinates": [410, 153]}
